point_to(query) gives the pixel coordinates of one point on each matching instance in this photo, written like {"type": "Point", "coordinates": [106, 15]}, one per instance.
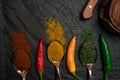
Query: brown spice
{"type": "Point", "coordinates": [19, 41]}
{"type": "Point", "coordinates": [21, 60]}
{"type": "Point", "coordinates": [21, 49]}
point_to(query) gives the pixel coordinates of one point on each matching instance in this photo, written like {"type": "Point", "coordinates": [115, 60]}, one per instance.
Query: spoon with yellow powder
{"type": "Point", "coordinates": [55, 54]}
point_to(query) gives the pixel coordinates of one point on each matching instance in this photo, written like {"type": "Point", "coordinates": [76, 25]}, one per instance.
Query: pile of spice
{"type": "Point", "coordinates": [55, 55]}
{"type": "Point", "coordinates": [87, 51]}
{"type": "Point", "coordinates": [55, 51]}
{"type": "Point", "coordinates": [21, 60]}
{"type": "Point", "coordinates": [55, 31]}
{"type": "Point", "coordinates": [21, 49]}
{"type": "Point", "coordinates": [19, 41]}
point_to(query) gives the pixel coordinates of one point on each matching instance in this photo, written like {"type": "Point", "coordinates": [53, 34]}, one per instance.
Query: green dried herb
{"type": "Point", "coordinates": [86, 35]}
{"type": "Point", "coordinates": [87, 51]}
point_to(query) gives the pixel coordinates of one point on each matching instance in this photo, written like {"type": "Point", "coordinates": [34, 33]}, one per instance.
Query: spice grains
{"type": "Point", "coordinates": [55, 31]}
{"type": "Point", "coordinates": [55, 51]}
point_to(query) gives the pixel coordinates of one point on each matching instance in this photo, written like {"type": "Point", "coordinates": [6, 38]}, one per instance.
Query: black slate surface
{"type": "Point", "coordinates": [27, 16]}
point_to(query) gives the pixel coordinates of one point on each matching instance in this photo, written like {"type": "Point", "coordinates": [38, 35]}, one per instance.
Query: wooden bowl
{"type": "Point", "coordinates": [110, 16]}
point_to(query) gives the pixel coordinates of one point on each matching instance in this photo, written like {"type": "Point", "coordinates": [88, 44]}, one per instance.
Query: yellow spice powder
{"type": "Point", "coordinates": [55, 51]}
{"type": "Point", "coordinates": [55, 31]}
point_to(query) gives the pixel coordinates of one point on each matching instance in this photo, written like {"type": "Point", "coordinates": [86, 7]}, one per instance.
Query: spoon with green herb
{"type": "Point", "coordinates": [88, 51]}
{"type": "Point", "coordinates": [88, 56]}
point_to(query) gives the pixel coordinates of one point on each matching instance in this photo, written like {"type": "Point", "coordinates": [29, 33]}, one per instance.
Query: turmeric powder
{"type": "Point", "coordinates": [55, 31]}
{"type": "Point", "coordinates": [55, 51]}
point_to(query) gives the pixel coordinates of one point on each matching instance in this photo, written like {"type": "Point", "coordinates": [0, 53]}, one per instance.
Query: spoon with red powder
{"type": "Point", "coordinates": [21, 62]}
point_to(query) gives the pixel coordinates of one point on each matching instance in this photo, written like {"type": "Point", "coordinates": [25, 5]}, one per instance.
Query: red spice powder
{"type": "Point", "coordinates": [19, 41]}
{"type": "Point", "coordinates": [22, 60]}
{"type": "Point", "coordinates": [21, 49]}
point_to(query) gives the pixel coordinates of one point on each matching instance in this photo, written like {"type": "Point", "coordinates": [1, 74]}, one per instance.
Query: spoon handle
{"type": "Point", "coordinates": [90, 75]}
{"type": "Point", "coordinates": [88, 11]}
{"type": "Point", "coordinates": [58, 76]}
{"type": "Point", "coordinates": [24, 78]}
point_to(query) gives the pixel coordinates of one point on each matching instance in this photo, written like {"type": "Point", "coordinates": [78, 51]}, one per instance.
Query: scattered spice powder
{"type": "Point", "coordinates": [19, 41]}
{"type": "Point", "coordinates": [21, 48]}
{"type": "Point", "coordinates": [55, 51]}
{"type": "Point", "coordinates": [55, 31]}
{"type": "Point", "coordinates": [88, 50]}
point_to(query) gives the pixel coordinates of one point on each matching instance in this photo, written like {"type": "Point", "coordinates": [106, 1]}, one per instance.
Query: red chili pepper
{"type": "Point", "coordinates": [40, 58]}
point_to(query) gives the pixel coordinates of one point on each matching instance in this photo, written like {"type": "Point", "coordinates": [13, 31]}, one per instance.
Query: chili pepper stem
{"type": "Point", "coordinates": [41, 75]}
{"type": "Point", "coordinates": [106, 76]}
{"type": "Point", "coordinates": [77, 76]}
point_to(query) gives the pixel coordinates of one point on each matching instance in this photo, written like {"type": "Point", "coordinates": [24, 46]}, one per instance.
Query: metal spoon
{"type": "Point", "coordinates": [89, 67]}
{"type": "Point", "coordinates": [56, 47]}
{"type": "Point", "coordinates": [23, 74]}
{"type": "Point", "coordinates": [57, 65]}
{"type": "Point", "coordinates": [88, 57]}
{"type": "Point", "coordinates": [21, 69]}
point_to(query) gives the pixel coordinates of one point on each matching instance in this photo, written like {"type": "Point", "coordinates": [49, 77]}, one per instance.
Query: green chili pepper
{"type": "Point", "coordinates": [106, 55]}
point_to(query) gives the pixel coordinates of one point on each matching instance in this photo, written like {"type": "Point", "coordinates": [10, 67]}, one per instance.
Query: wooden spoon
{"type": "Point", "coordinates": [88, 11]}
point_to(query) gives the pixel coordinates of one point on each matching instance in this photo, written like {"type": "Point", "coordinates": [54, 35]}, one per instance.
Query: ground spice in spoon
{"type": "Point", "coordinates": [21, 49]}
{"type": "Point", "coordinates": [88, 53]}
{"type": "Point", "coordinates": [21, 60]}
{"type": "Point", "coordinates": [88, 50]}
{"type": "Point", "coordinates": [55, 51]}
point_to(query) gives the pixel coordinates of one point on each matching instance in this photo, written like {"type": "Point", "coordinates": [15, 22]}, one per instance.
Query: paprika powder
{"type": "Point", "coordinates": [21, 60]}
{"type": "Point", "coordinates": [19, 41]}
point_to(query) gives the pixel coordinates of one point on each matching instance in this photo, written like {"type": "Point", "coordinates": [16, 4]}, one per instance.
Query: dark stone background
{"type": "Point", "coordinates": [27, 16]}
